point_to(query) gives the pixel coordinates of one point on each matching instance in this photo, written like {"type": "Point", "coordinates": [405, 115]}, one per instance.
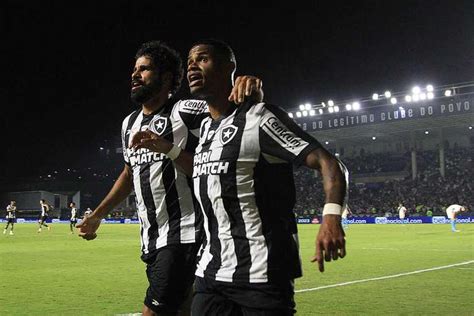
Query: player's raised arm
{"type": "Point", "coordinates": [121, 189]}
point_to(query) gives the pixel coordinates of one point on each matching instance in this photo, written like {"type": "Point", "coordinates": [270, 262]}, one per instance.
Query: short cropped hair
{"type": "Point", "coordinates": [221, 48]}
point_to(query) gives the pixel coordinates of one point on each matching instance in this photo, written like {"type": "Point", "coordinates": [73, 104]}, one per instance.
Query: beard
{"type": "Point", "coordinates": [146, 92]}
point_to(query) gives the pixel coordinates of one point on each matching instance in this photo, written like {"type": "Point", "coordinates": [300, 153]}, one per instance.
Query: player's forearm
{"type": "Point", "coordinates": [119, 192]}
{"type": "Point", "coordinates": [185, 161]}
{"type": "Point", "coordinates": [334, 182]}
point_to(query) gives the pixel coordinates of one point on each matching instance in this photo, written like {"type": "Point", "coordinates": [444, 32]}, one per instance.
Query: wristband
{"type": "Point", "coordinates": [174, 152]}
{"type": "Point", "coordinates": [332, 209]}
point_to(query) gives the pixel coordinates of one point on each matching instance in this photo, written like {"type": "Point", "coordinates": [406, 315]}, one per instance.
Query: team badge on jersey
{"type": "Point", "coordinates": [158, 125]}
{"type": "Point", "coordinates": [228, 134]}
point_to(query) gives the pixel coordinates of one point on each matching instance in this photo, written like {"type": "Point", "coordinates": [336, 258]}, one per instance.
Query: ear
{"type": "Point", "coordinates": [167, 79]}
{"type": "Point", "coordinates": [231, 68]}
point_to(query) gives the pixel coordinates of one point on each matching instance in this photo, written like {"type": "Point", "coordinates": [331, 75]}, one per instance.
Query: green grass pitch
{"type": "Point", "coordinates": [56, 273]}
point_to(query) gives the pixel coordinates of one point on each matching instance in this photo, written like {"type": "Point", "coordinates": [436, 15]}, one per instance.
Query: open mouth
{"type": "Point", "coordinates": [195, 78]}
{"type": "Point", "coordinates": [136, 85]}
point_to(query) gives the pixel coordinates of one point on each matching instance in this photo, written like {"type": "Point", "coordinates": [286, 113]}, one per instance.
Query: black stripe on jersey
{"type": "Point", "coordinates": [127, 131]}
{"type": "Point", "coordinates": [231, 201]}
{"type": "Point", "coordinates": [215, 245]}
{"type": "Point", "coordinates": [147, 195]}
{"type": "Point", "coordinates": [275, 198]}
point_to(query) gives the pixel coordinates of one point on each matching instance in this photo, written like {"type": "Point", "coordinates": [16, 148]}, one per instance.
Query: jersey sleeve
{"type": "Point", "coordinates": [281, 137]}
{"type": "Point", "coordinates": [124, 140]}
{"type": "Point", "coordinates": [192, 113]}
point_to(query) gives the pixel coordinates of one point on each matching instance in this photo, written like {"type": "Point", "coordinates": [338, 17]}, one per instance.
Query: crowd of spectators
{"type": "Point", "coordinates": [429, 193]}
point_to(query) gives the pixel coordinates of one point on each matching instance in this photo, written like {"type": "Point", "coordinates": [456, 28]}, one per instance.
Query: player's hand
{"type": "Point", "coordinates": [151, 141]}
{"type": "Point", "coordinates": [330, 242]}
{"type": "Point", "coordinates": [88, 227]}
{"type": "Point", "coordinates": [246, 86]}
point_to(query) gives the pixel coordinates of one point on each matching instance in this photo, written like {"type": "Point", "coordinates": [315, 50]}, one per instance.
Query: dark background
{"type": "Point", "coordinates": [67, 66]}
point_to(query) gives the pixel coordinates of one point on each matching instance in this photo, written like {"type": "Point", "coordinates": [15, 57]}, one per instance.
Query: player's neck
{"type": "Point", "coordinates": [155, 103]}
{"type": "Point", "coordinates": [219, 106]}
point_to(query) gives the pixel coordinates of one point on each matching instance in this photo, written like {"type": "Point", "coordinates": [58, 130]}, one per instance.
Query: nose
{"type": "Point", "coordinates": [192, 65]}
{"type": "Point", "coordinates": [135, 74]}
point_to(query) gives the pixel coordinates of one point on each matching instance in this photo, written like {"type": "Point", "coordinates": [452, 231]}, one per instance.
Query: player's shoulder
{"type": "Point", "coordinates": [132, 114]}
{"type": "Point", "coordinates": [191, 106]}
{"type": "Point", "coordinates": [263, 108]}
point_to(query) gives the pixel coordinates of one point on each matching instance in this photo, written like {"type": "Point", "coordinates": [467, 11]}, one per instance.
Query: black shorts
{"type": "Point", "coordinates": [171, 276]}
{"type": "Point", "coordinates": [229, 299]}
{"type": "Point", "coordinates": [43, 219]}
{"type": "Point", "coordinates": [73, 221]}
{"type": "Point", "coordinates": [10, 220]}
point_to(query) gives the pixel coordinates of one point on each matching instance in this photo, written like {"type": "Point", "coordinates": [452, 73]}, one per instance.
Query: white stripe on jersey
{"type": "Point", "coordinates": [162, 217]}
{"type": "Point", "coordinates": [248, 205]}
{"type": "Point", "coordinates": [206, 252]}
{"type": "Point", "coordinates": [141, 210]}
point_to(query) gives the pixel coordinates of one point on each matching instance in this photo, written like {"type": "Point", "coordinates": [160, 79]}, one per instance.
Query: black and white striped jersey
{"type": "Point", "coordinates": [164, 197]}
{"type": "Point", "coordinates": [73, 214]}
{"type": "Point", "coordinates": [44, 209]}
{"type": "Point", "coordinates": [243, 180]}
{"type": "Point", "coordinates": [11, 211]}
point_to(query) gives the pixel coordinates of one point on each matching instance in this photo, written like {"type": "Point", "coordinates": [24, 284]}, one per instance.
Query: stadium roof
{"type": "Point", "coordinates": [399, 130]}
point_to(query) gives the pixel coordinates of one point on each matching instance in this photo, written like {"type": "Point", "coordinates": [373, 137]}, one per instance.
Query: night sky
{"type": "Point", "coordinates": [66, 84]}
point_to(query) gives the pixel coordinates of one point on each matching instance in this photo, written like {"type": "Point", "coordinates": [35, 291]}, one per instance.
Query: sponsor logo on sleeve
{"type": "Point", "coordinates": [283, 136]}
{"type": "Point", "coordinates": [193, 106]}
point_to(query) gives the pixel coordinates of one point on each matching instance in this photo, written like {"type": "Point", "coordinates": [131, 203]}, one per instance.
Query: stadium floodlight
{"type": "Point", "coordinates": [416, 90]}
{"type": "Point", "coordinates": [307, 106]}
{"type": "Point", "coordinates": [290, 114]}
{"type": "Point", "coordinates": [387, 94]}
{"type": "Point", "coordinates": [305, 113]}
{"type": "Point", "coordinates": [422, 96]}
{"type": "Point", "coordinates": [321, 111]}
{"type": "Point", "coordinates": [331, 109]}
{"type": "Point", "coordinates": [312, 112]}
{"type": "Point", "coordinates": [427, 132]}
{"type": "Point", "coordinates": [101, 148]}
{"type": "Point", "coordinates": [323, 104]}
{"type": "Point", "coordinates": [430, 95]}
{"type": "Point", "coordinates": [393, 100]}
{"type": "Point", "coordinates": [408, 98]}
{"type": "Point", "coordinates": [326, 142]}
{"type": "Point", "coordinates": [298, 114]}
{"type": "Point", "coordinates": [374, 138]}
{"type": "Point", "coordinates": [336, 109]}
{"type": "Point", "coordinates": [416, 98]}
{"type": "Point", "coordinates": [301, 107]}
{"type": "Point", "coordinates": [348, 106]}
{"type": "Point", "coordinates": [448, 93]}
{"type": "Point", "coordinates": [375, 96]}
{"type": "Point", "coordinates": [355, 106]}
{"type": "Point", "coordinates": [331, 103]}
{"type": "Point", "coordinates": [470, 127]}
{"type": "Point", "coordinates": [429, 88]}
{"type": "Point", "coordinates": [49, 176]}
